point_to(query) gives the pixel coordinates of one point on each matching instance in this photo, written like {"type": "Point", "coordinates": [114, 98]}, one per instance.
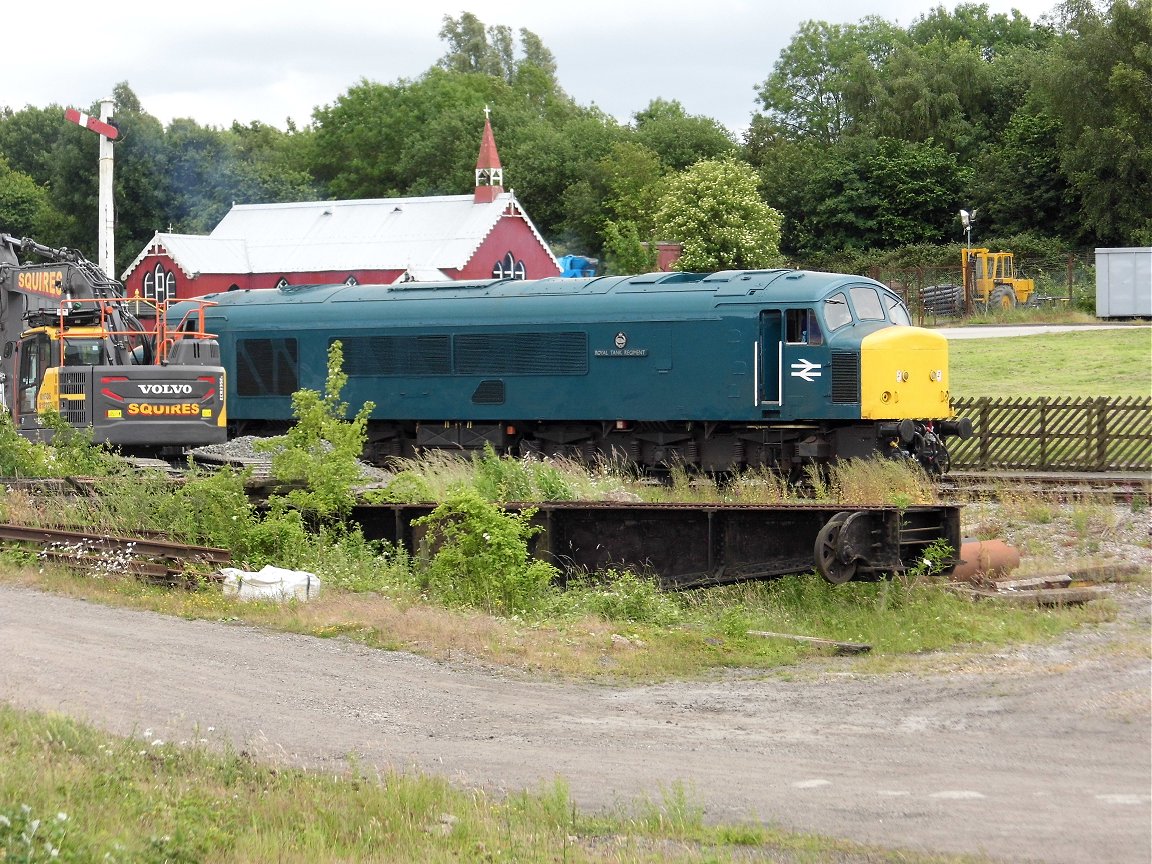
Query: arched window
{"type": "Point", "coordinates": [160, 284]}
{"type": "Point", "coordinates": [509, 267]}
{"type": "Point", "coordinates": [282, 282]}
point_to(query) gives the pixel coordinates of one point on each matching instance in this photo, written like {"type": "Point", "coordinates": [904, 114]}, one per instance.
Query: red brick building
{"type": "Point", "coordinates": [371, 241]}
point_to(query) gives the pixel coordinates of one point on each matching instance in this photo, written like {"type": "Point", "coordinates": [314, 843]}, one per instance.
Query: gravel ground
{"type": "Point", "coordinates": [1039, 753]}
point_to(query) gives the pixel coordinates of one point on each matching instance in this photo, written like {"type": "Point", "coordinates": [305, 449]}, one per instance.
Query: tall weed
{"type": "Point", "coordinates": [475, 554]}
{"type": "Point", "coordinates": [894, 482]}
{"type": "Point", "coordinates": [618, 595]}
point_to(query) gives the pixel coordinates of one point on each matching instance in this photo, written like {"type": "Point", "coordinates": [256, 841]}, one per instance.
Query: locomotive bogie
{"type": "Point", "coordinates": [718, 371]}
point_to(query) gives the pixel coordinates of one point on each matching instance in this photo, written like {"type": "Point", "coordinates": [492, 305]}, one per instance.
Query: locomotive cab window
{"type": "Point", "coordinates": [867, 303]}
{"type": "Point", "coordinates": [897, 312]}
{"type": "Point", "coordinates": [803, 328]}
{"type": "Point", "coordinates": [836, 311]}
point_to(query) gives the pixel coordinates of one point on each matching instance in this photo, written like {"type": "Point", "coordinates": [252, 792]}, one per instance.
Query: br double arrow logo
{"type": "Point", "coordinates": [806, 369]}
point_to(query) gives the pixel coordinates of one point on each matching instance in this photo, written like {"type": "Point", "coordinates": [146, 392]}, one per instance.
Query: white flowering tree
{"type": "Point", "coordinates": [714, 210]}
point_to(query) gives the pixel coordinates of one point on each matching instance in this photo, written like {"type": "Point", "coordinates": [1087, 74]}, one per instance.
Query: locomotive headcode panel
{"type": "Point", "coordinates": [774, 368]}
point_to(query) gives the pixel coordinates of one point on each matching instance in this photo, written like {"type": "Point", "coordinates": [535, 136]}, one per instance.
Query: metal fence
{"type": "Point", "coordinates": [1081, 434]}
{"type": "Point", "coordinates": [923, 287]}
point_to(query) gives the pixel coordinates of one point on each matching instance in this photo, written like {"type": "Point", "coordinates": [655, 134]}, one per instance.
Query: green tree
{"type": "Point", "coordinates": [29, 138]}
{"type": "Point", "coordinates": [1097, 84]}
{"type": "Point", "coordinates": [622, 187]}
{"type": "Point", "coordinates": [869, 193]}
{"type": "Point", "coordinates": [24, 206]}
{"type": "Point", "coordinates": [936, 92]}
{"type": "Point", "coordinates": [714, 210]}
{"type": "Point", "coordinates": [678, 138]}
{"type": "Point", "coordinates": [408, 138]}
{"type": "Point", "coordinates": [992, 34]}
{"type": "Point", "coordinates": [628, 250]}
{"type": "Point", "coordinates": [1019, 184]}
{"type": "Point", "coordinates": [810, 89]}
{"type": "Point", "coordinates": [208, 169]}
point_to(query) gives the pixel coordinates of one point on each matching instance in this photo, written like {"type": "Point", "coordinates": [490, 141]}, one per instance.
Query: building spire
{"type": "Point", "coordinates": [489, 173]}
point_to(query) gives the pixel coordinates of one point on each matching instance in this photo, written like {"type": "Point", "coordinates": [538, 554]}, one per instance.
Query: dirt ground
{"type": "Point", "coordinates": [1040, 753]}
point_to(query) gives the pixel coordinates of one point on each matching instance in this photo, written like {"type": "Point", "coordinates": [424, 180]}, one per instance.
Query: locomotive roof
{"type": "Point", "coordinates": [731, 286]}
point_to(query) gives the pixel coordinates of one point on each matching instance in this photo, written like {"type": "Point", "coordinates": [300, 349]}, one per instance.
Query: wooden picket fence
{"type": "Point", "coordinates": [1083, 434]}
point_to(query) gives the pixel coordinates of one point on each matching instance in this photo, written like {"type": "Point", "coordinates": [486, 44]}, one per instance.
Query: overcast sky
{"type": "Point", "coordinates": [247, 60]}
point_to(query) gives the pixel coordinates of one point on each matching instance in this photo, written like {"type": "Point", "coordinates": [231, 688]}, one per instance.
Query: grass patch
{"type": "Point", "coordinates": [616, 627]}
{"type": "Point", "coordinates": [1093, 363]}
{"type": "Point", "coordinates": [72, 794]}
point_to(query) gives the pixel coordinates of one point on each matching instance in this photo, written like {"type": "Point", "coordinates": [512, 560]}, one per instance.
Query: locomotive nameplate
{"type": "Point", "coordinates": [621, 349]}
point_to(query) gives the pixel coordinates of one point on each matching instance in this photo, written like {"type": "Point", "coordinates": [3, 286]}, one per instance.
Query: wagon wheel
{"type": "Point", "coordinates": [1003, 298]}
{"type": "Point", "coordinates": [828, 562]}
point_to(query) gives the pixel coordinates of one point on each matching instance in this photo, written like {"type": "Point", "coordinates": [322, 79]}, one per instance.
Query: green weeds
{"type": "Point", "coordinates": [81, 797]}
{"type": "Point", "coordinates": [475, 554]}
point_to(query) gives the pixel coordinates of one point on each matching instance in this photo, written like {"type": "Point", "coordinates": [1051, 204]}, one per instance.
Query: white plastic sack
{"type": "Point", "coordinates": [270, 583]}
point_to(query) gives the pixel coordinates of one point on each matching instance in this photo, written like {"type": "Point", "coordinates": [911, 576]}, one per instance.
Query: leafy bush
{"type": "Point", "coordinates": [323, 448]}
{"type": "Point", "coordinates": [74, 453]}
{"type": "Point", "coordinates": [26, 838]}
{"type": "Point", "coordinates": [550, 482]}
{"type": "Point", "coordinates": [70, 454]}
{"type": "Point", "coordinates": [19, 457]}
{"type": "Point", "coordinates": [475, 554]}
{"type": "Point", "coordinates": [501, 478]}
{"type": "Point", "coordinates": [407, 487]}
{"type": "Point", "coordinates": [342, 558]}
{"type": "Point", "coordinates": [619, 595]}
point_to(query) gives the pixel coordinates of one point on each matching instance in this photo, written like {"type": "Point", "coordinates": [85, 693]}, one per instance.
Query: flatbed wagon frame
{"type": "Point", "coordinates": [695, 545]}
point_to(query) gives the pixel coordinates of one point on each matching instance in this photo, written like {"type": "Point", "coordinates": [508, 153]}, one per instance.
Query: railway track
{"type": "Point", "coordinates": [144, 555]}
{"type": "Point", "coordinates": [685, 544]}
{"type": "Point", "coordinates": [1120, 487]}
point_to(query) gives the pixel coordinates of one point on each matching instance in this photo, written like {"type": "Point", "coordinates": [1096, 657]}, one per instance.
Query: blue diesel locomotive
{"type": "Point", "coordinates": [719, 371]}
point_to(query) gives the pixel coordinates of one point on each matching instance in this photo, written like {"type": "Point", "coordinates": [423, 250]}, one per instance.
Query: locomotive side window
{"type": "Point", "coordinates": [836, 312]}
{"type": "Point", "coordinates": [803, 328]}
{"type": "Point", "coordinates": [867, 303]}
{"type": "Point", "coordinates": [897, 313]}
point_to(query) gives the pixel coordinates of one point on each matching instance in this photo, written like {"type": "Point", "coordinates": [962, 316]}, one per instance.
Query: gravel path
{"type": "Point", "coordinates": [1040, 754]}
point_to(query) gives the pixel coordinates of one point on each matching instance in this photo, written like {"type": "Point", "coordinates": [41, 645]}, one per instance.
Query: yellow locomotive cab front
{"type": "Point", "coordinates": [904, 375]}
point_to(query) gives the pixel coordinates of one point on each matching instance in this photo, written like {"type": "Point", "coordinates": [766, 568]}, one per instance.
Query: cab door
{"type": "Point", "coordinates": [769, 347]}
{"type": "Point", "coordinates": [803, 362]}
{"type": "Point", "coordinates": [34, 354]}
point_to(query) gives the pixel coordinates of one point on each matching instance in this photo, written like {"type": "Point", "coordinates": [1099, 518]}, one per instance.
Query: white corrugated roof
{"type": "Point", "coordinates": [414, 234]}
{"type": "Point", "coordinates": [195, 254]}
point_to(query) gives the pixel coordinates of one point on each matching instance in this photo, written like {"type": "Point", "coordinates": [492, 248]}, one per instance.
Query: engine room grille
{"type": "Point", "coordinates": [522, 354]}
{"type": "Point", "coordinates": [845, 377]}
{"type": "Point", "coordinates": [489, 393]}
{"type": "Point", "coordinates": [73, 383]}
{"type": "Point", "coordinates": [73, 411]}
{"type": "Point", "coordinates": [396, 355]}
{"type": "Point", "coordinates": [266, 367]}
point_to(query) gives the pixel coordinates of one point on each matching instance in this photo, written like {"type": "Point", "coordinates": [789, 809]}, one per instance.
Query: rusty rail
{"type": "Point", "coordinates": [151, 557]}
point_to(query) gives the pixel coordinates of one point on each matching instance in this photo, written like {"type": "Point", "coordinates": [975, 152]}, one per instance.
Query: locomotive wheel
{"type": "Point", "coordinates": [1003, 298]}
{"type": "Point", "coordinates": [828, 561]}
